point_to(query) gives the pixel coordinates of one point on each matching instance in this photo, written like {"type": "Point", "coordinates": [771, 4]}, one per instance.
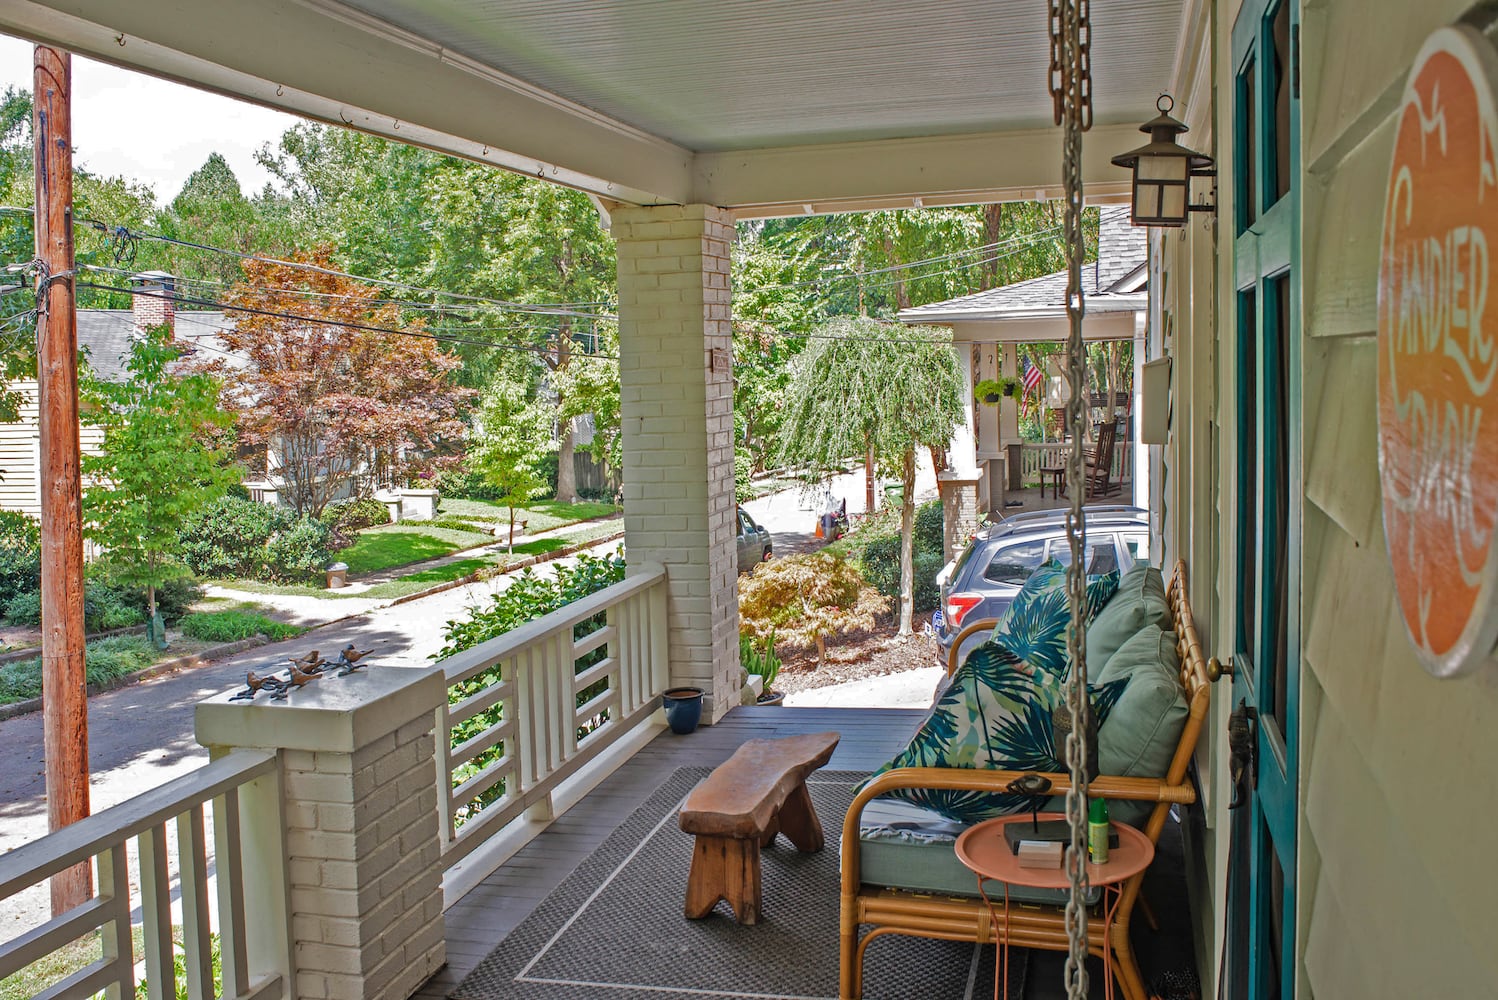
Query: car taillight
{"type": "Point", "coordinates": [958, 605]}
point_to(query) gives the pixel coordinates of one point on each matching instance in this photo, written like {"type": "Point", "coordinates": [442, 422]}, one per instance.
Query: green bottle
{"type": "Point", "coordinates": [1097, 831]}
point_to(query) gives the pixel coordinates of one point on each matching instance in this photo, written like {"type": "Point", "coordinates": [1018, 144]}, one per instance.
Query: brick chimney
{"type": "Point", "coordinates": [151, 299]}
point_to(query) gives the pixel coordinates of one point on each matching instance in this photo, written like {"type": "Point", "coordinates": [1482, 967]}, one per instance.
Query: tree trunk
{"type": "Point", "coordinates": [993, 224]}
{"type": "Point", "coordinates": [907, 544]}
{"type": "Point", "coordinates": [510, 548]}
{"type": "Point", "coordinates": [566, 464]}
{"type": "Point", "coordinates": [868, 481]}
{"type": "Point", "coordinates": [821, 651]}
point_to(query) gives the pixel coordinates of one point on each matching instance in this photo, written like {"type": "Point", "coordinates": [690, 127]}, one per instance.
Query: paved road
{"type": "Point", "coordinates": [791, 516]}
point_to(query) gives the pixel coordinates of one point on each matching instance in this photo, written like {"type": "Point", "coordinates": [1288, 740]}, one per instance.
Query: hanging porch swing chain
{"type": "Point", "coordinates": [1074, 99]}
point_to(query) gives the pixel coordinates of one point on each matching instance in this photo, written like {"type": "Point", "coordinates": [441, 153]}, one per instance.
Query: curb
{"type": "Point", "coordinates": [201, 658]}
{"type": "Point", "coordinates": [526, 563]}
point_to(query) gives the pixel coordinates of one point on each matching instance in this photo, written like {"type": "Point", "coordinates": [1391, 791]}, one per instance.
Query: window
{"type": "Point", "coordinates": [1102, 557]}
{"type": "Point", "coordinates": [1014, 563]}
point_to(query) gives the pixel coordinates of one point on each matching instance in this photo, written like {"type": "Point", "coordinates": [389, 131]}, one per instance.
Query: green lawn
{"type": "Point", "coordinates": [401, 544]}
{"type": "Point", "coordinates": [65, 961]}
{"type": "Point", "coordinates": [540, 515]}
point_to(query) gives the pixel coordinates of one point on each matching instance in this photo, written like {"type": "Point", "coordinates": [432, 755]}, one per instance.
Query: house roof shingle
{"type": "Point", "coordinates": [1113, 283]}
{"type": "Point", "coordinates": [106, 334]}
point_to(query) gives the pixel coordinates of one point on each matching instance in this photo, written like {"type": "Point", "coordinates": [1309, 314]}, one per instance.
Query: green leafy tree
{"type": "Point", "coordinates": [515, 436]}
{"type": "Point", "coordinates": [869, 387]}
{"type": "Point", "coordinates": [163, 458]}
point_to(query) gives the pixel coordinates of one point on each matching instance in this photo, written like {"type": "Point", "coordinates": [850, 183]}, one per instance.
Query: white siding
{"type": "Point", "coordinates": [20, 487]}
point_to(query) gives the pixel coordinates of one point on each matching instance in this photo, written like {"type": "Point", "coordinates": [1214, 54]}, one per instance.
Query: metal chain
{"type": "Point", "coordinates": [1075, 101]}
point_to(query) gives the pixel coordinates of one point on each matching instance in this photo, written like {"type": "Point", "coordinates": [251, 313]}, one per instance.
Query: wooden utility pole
{"type": "Point", "coordinates": [65, 703]}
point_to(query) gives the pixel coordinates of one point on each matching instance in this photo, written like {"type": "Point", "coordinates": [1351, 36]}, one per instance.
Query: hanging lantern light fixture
{"type": "Point", "coordinates": [1162, 170]}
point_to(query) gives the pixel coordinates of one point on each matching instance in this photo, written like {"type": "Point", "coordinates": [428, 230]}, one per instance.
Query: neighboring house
{"type": "Point", "coordinates": [988, 326]}
{"type": "Point", "coordinates": [105, 337]}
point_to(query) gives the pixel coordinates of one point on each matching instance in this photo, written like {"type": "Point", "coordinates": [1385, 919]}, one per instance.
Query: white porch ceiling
{"type": "Point", "coordinates": [766, 106]}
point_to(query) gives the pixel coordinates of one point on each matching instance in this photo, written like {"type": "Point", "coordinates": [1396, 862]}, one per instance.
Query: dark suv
{"type": "Point", "coordinates": [983, 579]}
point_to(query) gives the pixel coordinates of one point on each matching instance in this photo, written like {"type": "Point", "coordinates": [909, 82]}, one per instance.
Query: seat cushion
{"type": "Point", "coordinates": [1139, 601]}
{"type": "Point", "coordinates": [994, 715]}
{"type": "Point", "coordinates": [906, 847]}
{"type": "Point", "coordinates": [1144, 727]}
{"type": "Point", "coordinates": [1033, 628]}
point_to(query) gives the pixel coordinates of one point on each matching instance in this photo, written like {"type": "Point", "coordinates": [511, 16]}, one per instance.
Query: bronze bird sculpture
{"type": "Point", "coordinates": [298, 678]}
{"type": "Point", "coordinates": [311, 663]}
{"type": "Point", "coordinates": [348, 659]}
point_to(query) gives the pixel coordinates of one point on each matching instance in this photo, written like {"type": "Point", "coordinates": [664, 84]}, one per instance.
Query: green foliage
{"type": "Point", "coordinates": [163, 459]}
{"type": "Point", "coordinates": [244, 539]}
{"type": "Point", "coordinates": [104, 608]}
{"type": "Point", "coordinates": [300, 552]}
{"type": "Point", "coordinates": [872, 387]}
{"type": "Point", "coordinates": [348, 516]}
{"type": "Point", "coordinates": [528, 597]}
{"type": "Point", "coordinates": [876, 547]}
{"type": "Point", "coordinates": [516, 433]}
{"type": "Point", "coordinates": [20, 554]}
{"type": "Point", "coordinates": [758, 657]}
{"type": "Point", "coordinates": [743, 469]}
{"type": "Point", "coordinates": [179, 967]}
{"type": "Point", "coordinates": [405, 543]}
{"type": "Point", "coordinates": [930, 529]}
{"type": "Point", "coordinates": [105, 660]}
{"type": "Point", "coordinates": [806, 597]}
{"type": "Point", "coordinates": [235, 624]}
{"type": "Point", "coordinates": [227, 539]}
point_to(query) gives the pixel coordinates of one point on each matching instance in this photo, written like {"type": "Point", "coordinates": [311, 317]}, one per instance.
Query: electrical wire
{"type": "Point", "coordinates": [364, 327]}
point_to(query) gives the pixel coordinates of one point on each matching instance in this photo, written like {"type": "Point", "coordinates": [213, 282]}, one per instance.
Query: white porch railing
{"type": "Point", "coordinates": [1034, 456]}
{"type": "Point", "coordinates": [531, 707]}
{"type": "Point", "coordinates": [253, 955]}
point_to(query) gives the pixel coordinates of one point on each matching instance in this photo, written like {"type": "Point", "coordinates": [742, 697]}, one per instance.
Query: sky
{"type": "Point", "coordinates": [180, 127]}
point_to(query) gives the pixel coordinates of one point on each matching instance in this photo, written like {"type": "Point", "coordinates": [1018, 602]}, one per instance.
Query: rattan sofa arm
{"type": "Point", "coordinates": [984, 780]}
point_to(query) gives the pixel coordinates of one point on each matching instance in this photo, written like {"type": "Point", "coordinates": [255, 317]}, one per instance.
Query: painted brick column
{"type": "Point", "coordinates": [676, 403]}
{"type": "Point", "coordinates": [359, 784]}
{"type": "Point", "coordinates": [959, 508]}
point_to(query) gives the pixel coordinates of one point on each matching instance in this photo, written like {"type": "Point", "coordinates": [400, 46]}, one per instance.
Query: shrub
{"type": "Point", "coordinates": [877, 549]}
{"type": "Point", "coordinates": [807, 597]}
{"type": "Point", "coordinates": [298, 552]}
{"type": "Point", "coordinates": [20, 554]}
{"type": "Point", "coordinates": [929, 526]}
{"type": "Point", "coordinates": [104, 608]}
{"type": "Point", "coordinates": [234, 625]}
{"type": "Point", "coordinates": [743, 469]}
{"type": "Point", "coordinates": [228, 538]}
{"type": "Point", "coordinates": [348, 516]}
{"type": "Point", "coordinates": [25, 609]}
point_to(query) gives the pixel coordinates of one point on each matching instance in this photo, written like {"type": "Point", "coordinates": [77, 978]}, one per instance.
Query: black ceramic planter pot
{"type": "Point", "coordinates": [683, 707]}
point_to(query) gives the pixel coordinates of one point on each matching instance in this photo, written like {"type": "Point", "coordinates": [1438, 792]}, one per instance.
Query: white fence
{"type": "Point", "coordinates": [531, 707]}
{"type": "Point", "coordinates": [1034, 456]}
{"type": "Point", "coordinates": [244, 788]}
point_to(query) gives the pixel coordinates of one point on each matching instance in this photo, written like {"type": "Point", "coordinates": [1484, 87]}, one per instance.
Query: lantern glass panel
{"type": "Point", "coordinates": [1173, 202]}
{"type": "Point", "coordinates": [1162, 168]}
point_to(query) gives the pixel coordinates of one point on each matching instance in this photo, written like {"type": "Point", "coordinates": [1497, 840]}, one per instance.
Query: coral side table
{"type": "Point", "coordinates": [983, 849]}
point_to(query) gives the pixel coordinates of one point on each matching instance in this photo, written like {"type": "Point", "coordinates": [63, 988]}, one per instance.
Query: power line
{"type": "Point", "coordinates": [365, 327]}
{"type": "Point", "coordinates": [124, 233]}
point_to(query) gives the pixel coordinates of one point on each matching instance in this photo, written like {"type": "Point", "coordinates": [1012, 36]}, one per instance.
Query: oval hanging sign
{"type": "Point", "coordinates": [1438, 354]}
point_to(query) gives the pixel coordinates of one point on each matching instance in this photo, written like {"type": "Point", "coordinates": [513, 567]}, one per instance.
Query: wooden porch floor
{"type": "Point", "coordinates": [481, 919]}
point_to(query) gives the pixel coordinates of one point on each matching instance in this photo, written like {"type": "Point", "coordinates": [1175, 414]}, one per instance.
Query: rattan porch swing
{"type": "Point", "coordinates": [901, 911]}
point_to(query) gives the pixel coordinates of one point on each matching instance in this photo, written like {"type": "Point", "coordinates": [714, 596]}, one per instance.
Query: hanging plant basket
{"type": "Point", "coordinates": [990, 391]}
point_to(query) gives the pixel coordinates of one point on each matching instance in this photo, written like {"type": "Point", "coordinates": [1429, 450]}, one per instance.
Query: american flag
{"type": "Point", "coordinates": [1032, 377]}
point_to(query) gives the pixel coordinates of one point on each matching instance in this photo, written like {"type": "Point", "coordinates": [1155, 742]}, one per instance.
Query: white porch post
{"type": "Point", "coordinates": [1140, 453]}
{"type": "Point", "coordinates": [963, 454]}
{"type": "Point", "coordinates": [676, 404]}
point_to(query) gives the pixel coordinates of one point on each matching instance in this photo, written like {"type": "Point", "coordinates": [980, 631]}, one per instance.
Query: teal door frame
{"type": "Point", "coordinates": [1259, 959]}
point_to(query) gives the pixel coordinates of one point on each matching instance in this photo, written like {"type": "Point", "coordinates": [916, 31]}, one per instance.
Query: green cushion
{"type": "Point", "coordinates": [997, 714]}
{"type": "Point", "coordinates": [906, 847]}
{"type": "Point", "coordinates": [1140, 735]}
{"type": "Point", "coordinates": [1139, 601]}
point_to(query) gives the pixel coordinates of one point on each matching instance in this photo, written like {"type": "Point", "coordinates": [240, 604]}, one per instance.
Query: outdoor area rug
{"type": "Point", "coordinates": [614, 928]}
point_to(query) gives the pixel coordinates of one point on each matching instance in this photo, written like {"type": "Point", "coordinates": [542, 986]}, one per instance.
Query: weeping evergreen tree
{"type": "Point", "coordinates": [865, 387]}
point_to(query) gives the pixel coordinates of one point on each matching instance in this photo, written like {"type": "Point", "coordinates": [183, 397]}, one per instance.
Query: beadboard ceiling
{"type": "Point", "coordinates": [763, 106]}
{"type": "Point", "coordinates": [743, 74]}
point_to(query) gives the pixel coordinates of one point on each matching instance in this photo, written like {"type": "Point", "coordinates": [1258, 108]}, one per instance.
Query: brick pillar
{"type": "Point", "coordinates": [363, 856]}
{"type": "Point", "coordinates": [959, 508]}
{"type": "Point", "coordinates": [676, 402]}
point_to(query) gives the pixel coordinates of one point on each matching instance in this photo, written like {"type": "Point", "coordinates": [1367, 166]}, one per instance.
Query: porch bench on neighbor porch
{"type": "Point", "coordinates": [900, 874]}
{"type": "Point", "coordinates": [756, 794]}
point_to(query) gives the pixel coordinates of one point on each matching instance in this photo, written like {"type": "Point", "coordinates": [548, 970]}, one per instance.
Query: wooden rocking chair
{"type": "Point", "coordinates": [1097, 464]}
{"type": "Point", "coordinates": [887, 910]}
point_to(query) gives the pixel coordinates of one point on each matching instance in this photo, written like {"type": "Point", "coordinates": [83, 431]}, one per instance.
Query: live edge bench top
{"type": "Point", "coordinates": [741, 797]}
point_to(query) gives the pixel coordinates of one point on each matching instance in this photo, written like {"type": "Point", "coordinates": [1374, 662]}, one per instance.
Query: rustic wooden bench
{"type": "Point", "coordinates": [738, 809]}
